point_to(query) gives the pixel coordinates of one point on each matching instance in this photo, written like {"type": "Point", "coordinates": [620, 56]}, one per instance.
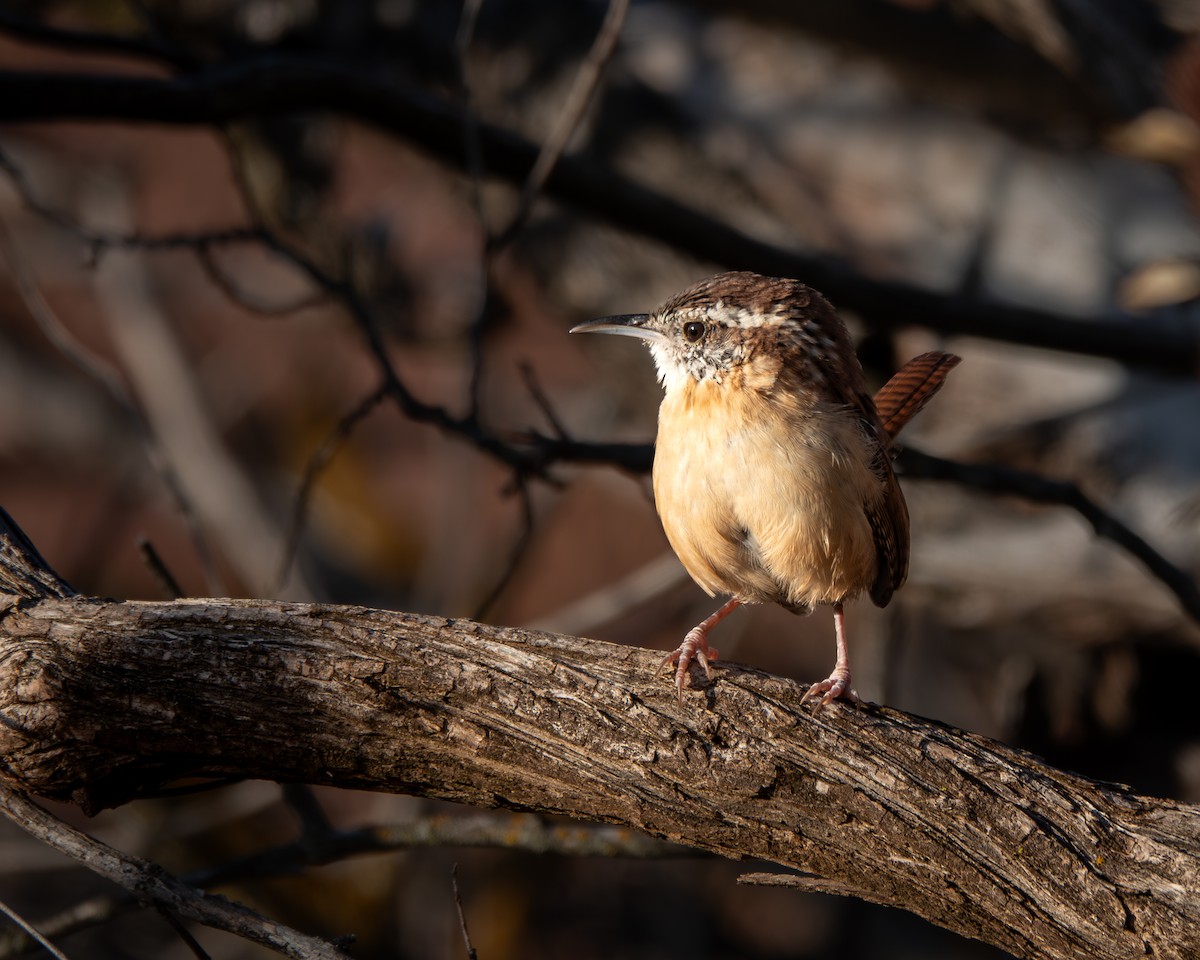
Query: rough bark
{"type": "Point", "coordinates": [102, 702]}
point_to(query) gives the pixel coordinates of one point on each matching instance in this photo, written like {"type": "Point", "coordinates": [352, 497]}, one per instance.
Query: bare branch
{"type": "Point", "coordinates": [183, 933]}
{"type": "Point", "coordinates": [523, 832]}
{"type": "Point", "coordinates": [99, 369]}
{"type": "Point", "coordinates": [100, 240]}
{"type": "Point", "coordinates": [33, 31]}
{"type": "Point", "coordinates": [81, 916]}
{"type": "Point", "coordinates": [993, 478]}
{"type": "Point", "coordinates": [313, 469]}
{"type": "Point", "coordinates": [151, 882]}
{"type": "Point", "coordinates": [244, 298]}
{"type": "Point", "coordinates": [513, 832]}
{"type": "Point", "coordinates": [543, 402]}
{"type": "Point", "coordinates": [272, 85]}
{"type": "Point", "coordinates": [587, 82]}
{"type": "Point", "coordinates": [462, 917]}
{"type": "Point", "coordinates": [472, 154]}
{"type": "Point", "coordinates": [474, 166]}
{"type": "Point", "coordinates": [517, 553]}
{"type": "Point", "coordinates": [178, 419]}
{"type": "Point", "coordinates": [154, 563]}
{"type": "Point", "coordinates": [32, 932]}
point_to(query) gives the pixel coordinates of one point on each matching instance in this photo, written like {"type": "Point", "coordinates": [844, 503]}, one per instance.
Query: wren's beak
{"type": "Point", "coordinates": [627, 325]}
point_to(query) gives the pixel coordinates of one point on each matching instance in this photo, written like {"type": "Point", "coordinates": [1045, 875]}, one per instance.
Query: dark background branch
{"type": "Point", "coordinates": [281, 85]}
{"type": "Point", "coordinates": [154, 884]}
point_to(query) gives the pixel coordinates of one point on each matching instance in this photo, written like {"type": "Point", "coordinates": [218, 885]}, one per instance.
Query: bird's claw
{"type": "Point", "coordinates": [835, 687]}
{"type": "Point", "coordinates": [695, 648]}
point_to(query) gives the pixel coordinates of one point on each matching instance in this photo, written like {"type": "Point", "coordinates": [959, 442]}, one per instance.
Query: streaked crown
{"type": "Point", "coordinates": [734, 319]}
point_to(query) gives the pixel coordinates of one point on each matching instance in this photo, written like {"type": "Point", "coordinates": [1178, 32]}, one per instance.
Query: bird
{"type": "Point", "coordinates": [772, 468]}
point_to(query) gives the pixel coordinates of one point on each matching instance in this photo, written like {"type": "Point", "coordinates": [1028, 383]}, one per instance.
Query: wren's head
{"type": "Point", "coordinates": [738, 327]}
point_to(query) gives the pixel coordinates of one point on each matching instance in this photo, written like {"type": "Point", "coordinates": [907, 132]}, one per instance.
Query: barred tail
{"type": "Point", "coordinates": [913, 386]}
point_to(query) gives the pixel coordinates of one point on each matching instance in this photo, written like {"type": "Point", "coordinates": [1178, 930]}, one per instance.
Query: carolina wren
{"type": "Point", "coordinates": [772, 469]}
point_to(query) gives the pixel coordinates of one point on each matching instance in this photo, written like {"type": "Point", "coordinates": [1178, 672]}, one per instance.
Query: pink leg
{"type": "Point", "coordinates": [695, 647]}
{"type": "Point", "coordinates": [838, 683]}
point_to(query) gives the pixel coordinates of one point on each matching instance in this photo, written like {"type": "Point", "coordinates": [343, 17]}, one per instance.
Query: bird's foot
{"type": "Point", "coordinates": [695, 646]}
{"type": "Point", "coordinates": [835, 687]}
{"type": "Point", "coordinates": [694, 649]}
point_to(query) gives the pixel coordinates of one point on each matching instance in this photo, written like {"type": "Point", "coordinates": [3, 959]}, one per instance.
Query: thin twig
{"type": "Point", "coordinates": [580, 97]}
{"type": "Point", "coordinates": [33, 31]}
{"type": "Point", "coordinates": [524, 832]}
{"type": "Point", "coordinates": [529, 375]}
{"type": "Point", "coordinates": [462, 917]}
{"type": "Point", "coordinates": [90, 363]}
{"type": "Point", "coordinates": [473, 162]}
{"type": "Point", "coordinates": [314, 824]}
{"type": "Point", "coordinates": [524, 456]}
{"type": "Point", "coordinates": [516, 555]}
{"type": "Point", "coordinates": [472, 152]}
{"type": "Point", "coordinates": [152, 883]}
{"type": "Point", "coordinates": [102, 372]}
{"type": "Point", "coordinates": [97, 241]}
{"type": "Point", "coordinates": [154, 563]}
{"type": "Point", "coordinates": [317, 462]}
{"type": "Point", "coordinates": [182, 932]}
{"type": "Point", "coordinates": [583, 91]}
{"type": "Point", "coordinates": [993, 478]}
{"type": "Point", "coordinates": [257, 214]}
{"type": "Point", "coordinates": [32, 932]}
{"type": "Point", "coordinates": [244, 298]}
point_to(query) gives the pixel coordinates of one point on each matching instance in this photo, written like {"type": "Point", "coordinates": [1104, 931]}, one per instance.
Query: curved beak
{"type": "Point", "coordinates": [626, 325]}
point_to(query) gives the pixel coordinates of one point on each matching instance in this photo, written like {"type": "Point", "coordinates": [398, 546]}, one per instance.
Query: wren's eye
{"type": "Point", "coordinates": [694, 331]}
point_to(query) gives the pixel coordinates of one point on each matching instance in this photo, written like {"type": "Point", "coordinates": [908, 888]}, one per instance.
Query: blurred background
{"type": "Point", "coordinates": [195, 318]}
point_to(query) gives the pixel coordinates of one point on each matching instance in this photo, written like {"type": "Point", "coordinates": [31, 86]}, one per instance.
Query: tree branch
{"type": "Point", "coordinates": [999, 479]}
{"type": "Point", "coordinates": [101, 702]}
{"type": "Point", "coordinates": [154, 884]}
{"type": "Point", "coordinates": [272, 85]}
{"type": "Point", "coordinates": [31, 932]}
{"type": "Point", "coordinates": [583, 91]}
{"type": "Point", "coordinates": [88, 41]}
{"type": "Point", "coordinates": [524, 832]}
